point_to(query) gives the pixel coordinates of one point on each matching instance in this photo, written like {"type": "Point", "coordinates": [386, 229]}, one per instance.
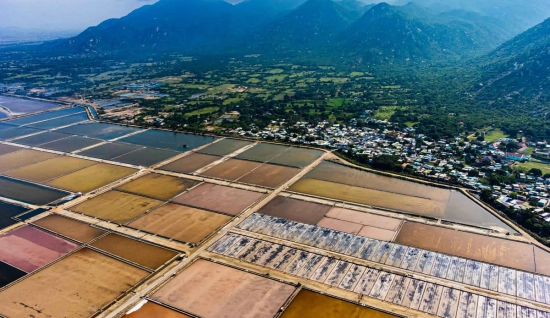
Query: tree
{"type": "Point", "coordinates": [384, 162]}
{"type": "Point", "coordinates": [536, 172]}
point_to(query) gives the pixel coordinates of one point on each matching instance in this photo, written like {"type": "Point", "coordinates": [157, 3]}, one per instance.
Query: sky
{"type": "Point", "coordinates": [61, 15]}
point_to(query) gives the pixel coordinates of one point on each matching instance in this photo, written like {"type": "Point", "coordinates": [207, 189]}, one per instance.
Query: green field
{"type": "Point", "coordinates": [494, 135]}
{"type": "Point", "coordinates": [385, 112]}
{"type": "Point", "coordinates": [538, 165]}
{"type": "Point", "coordinates": [202, 111]}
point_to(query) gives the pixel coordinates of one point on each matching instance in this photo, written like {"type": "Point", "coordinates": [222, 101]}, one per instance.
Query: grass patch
{"type": "Point", "coordinates": [356, 74]}
{"type": "Point", "coordinates": [253, 80]}
{"type": "Point", "coordinates": [276, 78]}
{"type": "Point", "coordinates": [232, 100]}
{"type": "Point", "coordinates": [531, 164]}
{"type": "Point", "coordinates": [276, 71]}
{"type": "Point", "coordinates": [494, 135]}
{"type": "Point", "coordinates": [202, 111]}
{"type": "Point", "coordinates": [336, 102]}
{"type": "Point", "coordinates": [334, 79]}
{"type": "Point", "coordinates": [385, 112]}
{"type": "Point", "coordinates": [412, 123]}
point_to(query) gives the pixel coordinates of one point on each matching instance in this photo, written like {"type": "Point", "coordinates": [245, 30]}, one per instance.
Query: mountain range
{"type": "Point", "coordinates": [345, 30]}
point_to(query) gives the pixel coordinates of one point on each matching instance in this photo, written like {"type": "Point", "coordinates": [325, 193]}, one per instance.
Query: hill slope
{"type": "Point", "coordinates": [409, 34]}
{"type": "Point", "coordinates": [519, 70]}
{"type": "Point", "coordinates": [311, 25]}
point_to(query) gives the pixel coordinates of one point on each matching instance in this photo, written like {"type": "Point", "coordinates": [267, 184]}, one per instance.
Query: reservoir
{"type": "Point", "coordinates": [10, 106]}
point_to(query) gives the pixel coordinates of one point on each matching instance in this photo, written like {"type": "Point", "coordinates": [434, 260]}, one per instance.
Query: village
{"type": "Point", "coordinates": [469, 162]}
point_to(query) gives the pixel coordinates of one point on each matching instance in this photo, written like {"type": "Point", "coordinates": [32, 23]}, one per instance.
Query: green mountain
{"type": "Point", "coordinates": [518, 15]}
{"type": "Point", "coordinates": [411, 35]}
{"type": "Point", "coordinates": [310, 26]}
{"type": "Point", "coordinates": [518, 71]}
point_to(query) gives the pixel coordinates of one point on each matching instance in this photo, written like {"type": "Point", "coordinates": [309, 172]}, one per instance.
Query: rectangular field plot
{"type": "Point", "coordinates": [28, 192]}
{"type": "Point", "coordinates": [77, 286]}
{"type": "Point", "coordinates": [168, 140]}
{"type": "Point", "coordinates": [50, 169]}
{"type": "Point", "coordinates": [7, 211]}
{"type": "Point", "coordinates": [42, 138]}
{"type": "Point", "coordinates": [542, 262]}
{"type": "Point", "coordinates": [309, 304]}
{"type": "Point", "coordinates": [6, 149]}
{"type": "Point", "coordinates": [12, 133]}
{"type": "Point", "coordinates": [270, 176]}
{"type": "Point", "coordinates": [150, 310]}
{"type": "Point", "coordinates": [468, 245]}
{"type": "Point", "coordinates": [158, 186]}
{"type": "Point", "coordinates": [70, 228]}
{"type": "Point", "coordinates": [9, 274]}
{"type": "Point", "coordinates": [338, 173]}
{"type": "Point", "coordinates": [297, 157]}
{"type": "Point", "coordinates": [146, 157]}
{"type": "Point", "coordinates": [296, 210]}
{"type": "Point", "coordinates": [263, 152]}
{"type": "Point", "coordinates": [71, 144]}
{"type": "Point", "coordinates": [115, 206]}
{"type": "Point", "coordinates": [190, 163]}
{"type": "Point", "coordinates": [211, 290]}
{"type": "Point", "coordinates": [231, 169]}
{"type": "Point", "coordinates": [109, 151]}
{"type": "Point", "coordinates": [23, 158]}
{"type": "Point", "coordinates": [100, 130]}
{"type": "Point", "coordinates": [91, 178]}
{"type": "Point", "coordinates": [28, 248]}
{"type": "Point", "coordinates": [60, 122]}
{"type": "Point", "coordinates": [45, 116]}
{"type": "Point", "coordinates": [180, 222]}
{"type": "Point", "coordinates": [144, 254]}
{"type": "Point", "coordinates": [363, 218]}
{"type": "Point", "coordinates": [219, 198]}
{"type": "Point", "coordinates": [369, 197]}
{"type": "Point", "coordinates": [225, 147]}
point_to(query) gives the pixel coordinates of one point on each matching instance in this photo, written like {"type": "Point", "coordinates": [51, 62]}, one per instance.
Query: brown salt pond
{"type": "Point", "coordinates": [190, 163]}
{"type": "Point", "coordinates": [76, 286]}
{"type": "Point", "coordinates": [468, 245]}
{"type": "Point", "coordinates": [309, 304]}
{"type": "Point", "coordinates": [152, 310]}
{"type": "Point", "coordinates": [542, 261]}
{"type": "Point", "coordinates": [339, 225]}
{"type": "Point", "coordinates": [210, 290]}
{"type": "Point", "coordinates": [50, 169]}
{"type": "Point", "coordinates": [29, 248]}
{"type": "Point", "coordinates": [91, 178]}
{"type": "Point", "coordinates": [377, 233]}
{"type": "Point", "coordinates": [70, 228]}
{"type": "Point", "coordinates": [219, 198]}
{"type": "Point", "coordinates": [263, 152]}
{"type": "Point", "coordinates": [141, 253]}
{"type": "Point", "coordinates": [270, 176]}
{"type": "Point", "coordinates": [158, 186]}
{"type": "Point", "coordinates": [297, 157]}
{"type": "Point", "coordinates": [231, 169]}
{"type": "Point", "coordinates": [296, 210]}
{"type": "Point", "coordinates": [363, 218]}
{"type": "Point", "coordinates": [225, 147]}
{"type": "Point", "coordinates": [23, 158]}
{"type": "Point", "coordinates": [180, 222]}
{"type": "Point", "coordinates": [333, 172]}
{"type": "Point", "coordinates": [366, 196]}
{"type": "Point", "coordinates": [116, 206]}
{"type": "Point", "coordinates": [6, 149]}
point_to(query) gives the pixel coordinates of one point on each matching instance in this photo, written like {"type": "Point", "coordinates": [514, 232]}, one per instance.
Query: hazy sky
{"type": "Point", "coordinates": [63, 14]}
